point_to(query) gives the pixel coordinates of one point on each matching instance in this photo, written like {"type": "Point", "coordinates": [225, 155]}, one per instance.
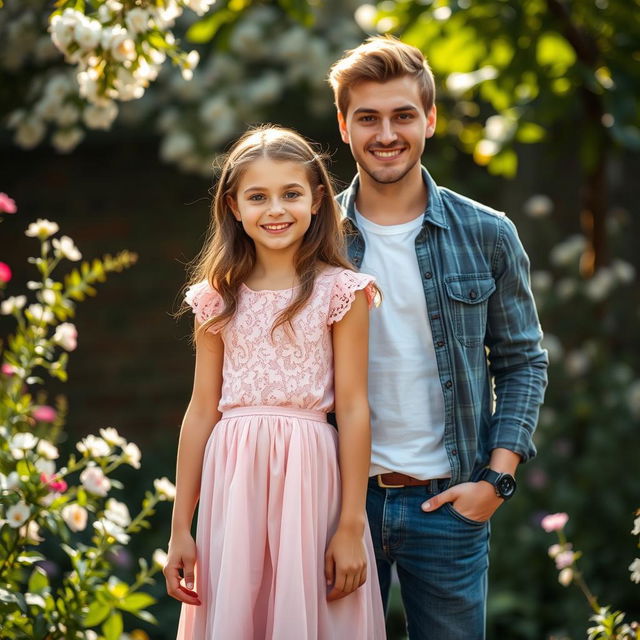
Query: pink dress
{"type": "Point", "coordinates": [270, 492]}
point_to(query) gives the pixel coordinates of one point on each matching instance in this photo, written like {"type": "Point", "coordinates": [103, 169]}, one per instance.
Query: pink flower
{"type": "Point", "coordinates": [554, 522]}
{"type": "Point", "coordinates": [7, 204]}
{"type": "Point", "coordinates": [564, 559]}
{"type": "Point", "coordinates": [45, 413]}
{"type": "Point", "coordinates": [8, 369]}
{"type": "Point", "coordinates": [5, 272]}
{"type": "Point", "coordinates": [57, 486]}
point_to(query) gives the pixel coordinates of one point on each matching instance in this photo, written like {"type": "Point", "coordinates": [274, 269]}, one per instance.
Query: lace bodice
{"type": "Point", "coordinates": [283, 369]}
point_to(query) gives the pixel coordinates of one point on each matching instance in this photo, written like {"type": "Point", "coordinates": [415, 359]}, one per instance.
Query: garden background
{"type": "Point", "coordinates": [538, 117]}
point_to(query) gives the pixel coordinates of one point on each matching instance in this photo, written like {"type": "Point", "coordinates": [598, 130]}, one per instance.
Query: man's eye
{"type": "Point", "coordinates": [367, 118]}
{"type": "Point", "coordinates": [405, 116]}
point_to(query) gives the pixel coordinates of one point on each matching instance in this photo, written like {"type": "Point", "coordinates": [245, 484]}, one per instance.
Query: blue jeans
{"type": "Point", "coordinates": [442, 560]}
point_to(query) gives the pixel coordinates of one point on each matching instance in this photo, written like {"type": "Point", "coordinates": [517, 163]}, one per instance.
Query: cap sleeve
{"type": "Point", "coordinates": [204, 300]}
{"type": "Point", "coordinates": [344, 293]}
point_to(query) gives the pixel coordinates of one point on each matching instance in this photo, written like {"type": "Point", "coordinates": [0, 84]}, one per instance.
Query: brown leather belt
{"type": "Point", "coordinates": [397, 480]}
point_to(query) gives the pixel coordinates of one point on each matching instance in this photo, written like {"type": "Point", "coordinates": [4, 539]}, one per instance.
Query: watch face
{"type": "Point", "coordinates": [506, 486]}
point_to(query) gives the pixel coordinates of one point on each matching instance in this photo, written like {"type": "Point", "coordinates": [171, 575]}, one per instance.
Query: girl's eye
{"type": "Point", "coordinates": [291, 195]}
{"type": "Point", "coordinates": [256, 197]}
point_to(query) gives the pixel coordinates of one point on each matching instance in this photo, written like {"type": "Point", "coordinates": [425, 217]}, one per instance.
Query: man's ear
{"type": "Point", "coordinates": [317, 198]}
{"type": "Point", "coordinates": [233, 205]}
{"type": "Point", "coordinates": [431, 122]}
{"type": "Point", "coordinates": [342, 125]}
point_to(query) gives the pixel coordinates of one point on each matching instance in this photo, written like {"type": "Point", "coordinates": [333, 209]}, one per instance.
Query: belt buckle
{"type": "Point", "coordinates": [383, 485]}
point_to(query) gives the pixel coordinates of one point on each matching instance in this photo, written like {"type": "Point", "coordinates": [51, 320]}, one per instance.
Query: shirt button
{"type": "Point", "coordinates": [448, 384]}
{"type": "Point", "coordinates": [472, 294]}
{"type": "Point", "coordinates": [454, 452]}
{"type": "Point", "coordinates": [428, 275]}
{"type": "Point", "coordinates": [440, 343]}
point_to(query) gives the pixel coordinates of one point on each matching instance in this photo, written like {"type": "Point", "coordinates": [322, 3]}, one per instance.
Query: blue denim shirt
{"type": "Point", "coordinates": [484, 324]}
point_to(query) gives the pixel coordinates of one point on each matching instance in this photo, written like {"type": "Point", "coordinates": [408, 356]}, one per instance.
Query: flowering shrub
{"type": "Point", "coordinates": [46, 502]}
{"type": "Point", "coordinates": [609, 625]}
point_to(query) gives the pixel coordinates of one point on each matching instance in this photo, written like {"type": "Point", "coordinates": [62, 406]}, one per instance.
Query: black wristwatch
{"type": "Point", "coordinates": [504, 483]}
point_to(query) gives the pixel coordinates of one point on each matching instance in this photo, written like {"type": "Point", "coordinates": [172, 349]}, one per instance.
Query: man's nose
{"type": "Point", "coordinates": [386, 134]}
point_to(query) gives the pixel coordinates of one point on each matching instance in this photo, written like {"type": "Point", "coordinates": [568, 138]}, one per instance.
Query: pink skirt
{"type": "Point", "coordinates": [269, 504]}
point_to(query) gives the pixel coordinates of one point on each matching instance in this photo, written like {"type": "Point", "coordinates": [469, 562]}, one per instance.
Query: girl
{"type": "Point", "coordinates": [281, 328]}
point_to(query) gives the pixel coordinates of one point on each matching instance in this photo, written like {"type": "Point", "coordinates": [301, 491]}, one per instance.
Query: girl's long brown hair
{"type": "Point", "coordinates": [228, 255]}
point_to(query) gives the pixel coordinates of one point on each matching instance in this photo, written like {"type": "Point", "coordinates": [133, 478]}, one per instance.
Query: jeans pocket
{"type": "Point", "coordinates": [456, 514]}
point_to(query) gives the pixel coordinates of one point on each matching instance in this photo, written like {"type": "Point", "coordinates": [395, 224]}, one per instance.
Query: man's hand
{"type": "Point", "coordinates": [474, 500]}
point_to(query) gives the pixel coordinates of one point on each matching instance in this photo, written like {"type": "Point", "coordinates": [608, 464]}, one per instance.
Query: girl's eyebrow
{"type": "Point", "coordinates": [286, 186]}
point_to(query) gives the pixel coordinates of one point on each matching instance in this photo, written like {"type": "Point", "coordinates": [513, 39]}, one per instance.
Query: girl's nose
{"type": "Point", "coordinates": [276, 207]}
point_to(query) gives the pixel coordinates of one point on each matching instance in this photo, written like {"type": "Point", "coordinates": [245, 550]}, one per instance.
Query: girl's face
{"type": "Point", "coordinates": [275, 202]}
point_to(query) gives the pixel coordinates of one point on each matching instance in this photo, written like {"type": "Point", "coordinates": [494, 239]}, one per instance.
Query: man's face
{"type": "Point", "coordinates": [386, 127]}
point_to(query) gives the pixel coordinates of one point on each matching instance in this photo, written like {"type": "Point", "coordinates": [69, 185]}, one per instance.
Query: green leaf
{"type": "Point", "coordinates": [29, 557]}
{"type": "Point", "coordinates": [529, 132]}
{"type": "Point", "coordinates": [98, 611]}
{"type": "Point", "coordinates": [555, 52]}
{"type": "Point", "coordinates": [136, 601]}
{"type": "Point", "coordinates": [113, 627]}
{"type": "Point", "coordinates": [205, 30]}
{"type": "Point", "coordinates": [38, 581]}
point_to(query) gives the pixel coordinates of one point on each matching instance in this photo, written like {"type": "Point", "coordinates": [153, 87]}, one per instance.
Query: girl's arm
{"type": "Point", "coordinates": [199, 419]}
{"type": "Point", "coordinates": [345, 559]}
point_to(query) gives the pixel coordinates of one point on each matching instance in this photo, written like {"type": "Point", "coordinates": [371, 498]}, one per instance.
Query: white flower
{"type": "Point", "coordinates": [623, 271]}
{"type": "Point", "coordinates": [65, 247]}
{"type": "Point", "coordinates": [553, 346]}
{"type": "Point", "coordinates": [541, 281]}
{"type": "Point", "coordinates": [132, 455]}
{"type": "Point", "coordinates": [94, 446]}
{"type": "Point", "coordinates": [66, 336]}
{"type": "Point", "coordinates": [577, 363]}
{"type": "Point", "coordinates": [24, 441]}
{"type": "Point", "coordinates": [365, 16]}
{"type": "Point", "coordinates": [566, 288]}
{"type": "Point", "coordinates": [567, 252]}
{"type": "Point", "coordinates": [59, 87]}
{"type": "Point", "coordinates": [12, 304]}
{"type": "Point", "coordinates": [199, 6]}
{"type": "Point", "coordinates": [634, 567]}
{"type": "Point", "coordinates": [636, 527]}
{"type": "Point", "coordinates": [75, 517]}
{"type": "Point", "coordinates": [266, 89]}
{"type": "Point", "coordinates": [67, 115]}
{"type": "Point", "coordinates": [633, 398]}
{"type": "Point", "coordinates": [88, 33]}
{"type": "Point", "coordinates": [49, 499]}
{"type": "Point", "coordinates": [599, 286]}
{"type": "Point", "coordinates": [176, 145]}
{"type": "Point", "coordinates": [66, 140]}
{"type": "Point", "coordinates": [41, 314]}
{"type": "Point", "coordinates": [62, 29]}
{"type": "Point", "coordinates": [43, 465]}
{"type": "Point", "coordinates": [31, 532]}
{"type": "Point", "coordinates": [94, 481]}
{"type": "Point", "coordinates": [538, 206]}
{"type": "Point", "coordinates": [565, 577]}
{"type": "Point", "coordinates": [47, 450]}
{"type": "Point", "coordinates": [160, 558]}
{"type": "Point", "coordinates": [111, 435]}
{"type": "Point", "coordinates": [108, 528]}
{"type": "Point", "coordinates": [487, 148]}
{"type": "Point", "coordinates": [123, 48]}
{"type": "Point", "coordinates": [48, 296]}
{"type": "Point", "coordinates": [499, 128]}
{"type": "Point", "coordinates": [292, 45]}
{"type": "Point", "coordinates": [137, 20]}
{"type": "Point", "coordinates": [165, 488]}
{"type": "Point", "coordinates": [42, 229]}
{"type": "Point", "coordinates": [554, 550]}
{"type": "Point", "coordinates": [100, 117]}
{"type": "Point", "coordinates": [29, 133]}
{"type": "Point", "coordinates": [118, 513]}
{"type": "Point", "coordinates": [459, 83]}
{"type": "Point", "coordinates": [10, 482]}
{"type": "Point", "coordinates": [17, 514]}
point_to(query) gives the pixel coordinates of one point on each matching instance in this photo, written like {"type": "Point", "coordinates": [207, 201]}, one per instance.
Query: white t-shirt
{"type": "Point", "coordinates": [407, 404]}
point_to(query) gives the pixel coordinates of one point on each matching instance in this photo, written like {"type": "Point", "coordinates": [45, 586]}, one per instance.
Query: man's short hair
{"type": "Point", "coordinates": [380, 59]}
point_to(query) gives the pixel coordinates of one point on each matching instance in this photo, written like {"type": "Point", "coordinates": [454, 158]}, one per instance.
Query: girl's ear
{"type": "Point", "coordinates": [318, 195]}
{"type": "Point", "coordinates": [233, 205]}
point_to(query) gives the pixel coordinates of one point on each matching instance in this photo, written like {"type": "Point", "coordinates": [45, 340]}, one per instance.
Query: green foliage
{"type": "Point", "coordinates": [44, 504]}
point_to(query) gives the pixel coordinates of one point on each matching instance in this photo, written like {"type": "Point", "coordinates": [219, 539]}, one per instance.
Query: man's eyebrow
{"type": "Point", "coordinates": [408, 107]}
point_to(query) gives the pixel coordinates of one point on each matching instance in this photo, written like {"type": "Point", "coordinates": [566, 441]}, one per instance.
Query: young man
{"type": "Point", "coordinates": [457, 325]}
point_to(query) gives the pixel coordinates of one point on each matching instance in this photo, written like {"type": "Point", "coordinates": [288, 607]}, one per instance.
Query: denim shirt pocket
{"type": "Point", "coordinates": [468, 294]}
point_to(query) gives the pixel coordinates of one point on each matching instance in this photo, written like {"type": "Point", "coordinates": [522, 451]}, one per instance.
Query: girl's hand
{"type": "Point", "coordinates": [181, 556]}
{"type": "Point", "coordinates": [345, 564]}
